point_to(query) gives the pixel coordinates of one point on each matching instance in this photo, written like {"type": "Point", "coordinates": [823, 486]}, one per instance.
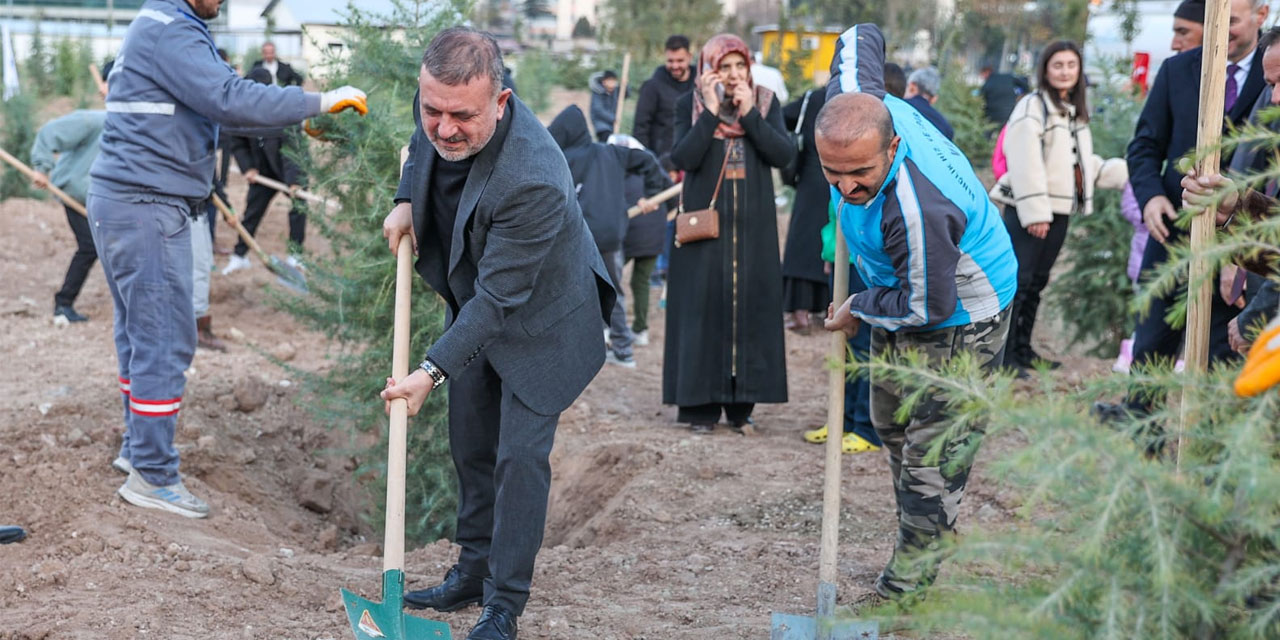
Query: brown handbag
{"type": "Point", "coordinates": [703, 224]}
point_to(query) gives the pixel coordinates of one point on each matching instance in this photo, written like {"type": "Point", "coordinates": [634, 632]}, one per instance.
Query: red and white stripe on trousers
{"type": "Point", "coordinates": [150, 408]}
{"type": "Point", "coordinates": [155, 408]}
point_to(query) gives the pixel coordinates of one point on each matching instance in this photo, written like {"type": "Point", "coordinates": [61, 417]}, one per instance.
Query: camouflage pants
{"type": "Point", "coordinates": [928, 495]}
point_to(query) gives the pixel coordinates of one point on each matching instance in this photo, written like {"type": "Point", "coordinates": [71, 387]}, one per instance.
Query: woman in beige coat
{"type": "Point", "coordinates": [1052, 174]}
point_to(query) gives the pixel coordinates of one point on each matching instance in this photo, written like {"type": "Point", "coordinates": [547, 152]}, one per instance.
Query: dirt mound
{"type": "Point", "coordinates": [589, 492]}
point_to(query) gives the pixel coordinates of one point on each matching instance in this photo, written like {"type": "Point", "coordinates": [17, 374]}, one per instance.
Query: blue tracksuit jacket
{"type": "Point", "coordinates": [931, 245]}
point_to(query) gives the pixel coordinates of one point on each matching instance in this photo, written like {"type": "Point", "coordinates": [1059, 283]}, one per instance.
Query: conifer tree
{"type": "Point", "coordinates": [352, 285]}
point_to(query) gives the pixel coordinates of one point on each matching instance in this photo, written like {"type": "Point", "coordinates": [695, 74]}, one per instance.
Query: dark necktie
{"type": "Point", "coordinates": [1233, 89]}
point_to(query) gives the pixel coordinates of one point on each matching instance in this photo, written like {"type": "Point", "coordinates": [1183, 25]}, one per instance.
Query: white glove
{"type": "Point", "coordinates": [347, 97]}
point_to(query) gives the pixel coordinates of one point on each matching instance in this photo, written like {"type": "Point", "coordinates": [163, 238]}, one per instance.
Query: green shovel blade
{"type": "Point", "coordinates": [387, 620]}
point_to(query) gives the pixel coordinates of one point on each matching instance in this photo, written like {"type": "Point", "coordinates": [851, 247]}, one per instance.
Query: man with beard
{"type": "Point", "coordinates": [169, 91]}
{"type": "Point", "coordinates": [655, 126]}
{"type": "Point", "coordinates": [489, 200]}
{"type": "Point", "coordinates": [940, 274]}
{"type": "Point", "coordinates": [655, 122]}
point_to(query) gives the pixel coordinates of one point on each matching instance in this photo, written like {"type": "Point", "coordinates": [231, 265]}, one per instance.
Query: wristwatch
{"type": "Point", "coordinates": [438, 376]}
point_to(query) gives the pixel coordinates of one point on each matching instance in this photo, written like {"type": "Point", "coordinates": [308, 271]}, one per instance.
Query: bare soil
{"type": "Point", "coordinates": [652, 532]}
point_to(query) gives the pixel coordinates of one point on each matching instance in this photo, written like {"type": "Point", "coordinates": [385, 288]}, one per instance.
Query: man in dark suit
{"type": "Point", "coordinates": [281, 73]}
{"type": "Point", "coordinates": [489, 199]}
{"type": "Point", "coordinates": [1166, 131]}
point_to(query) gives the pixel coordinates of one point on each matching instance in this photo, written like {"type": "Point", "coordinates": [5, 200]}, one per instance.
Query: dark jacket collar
{"type": "Point", "coordinates": [662, 75]}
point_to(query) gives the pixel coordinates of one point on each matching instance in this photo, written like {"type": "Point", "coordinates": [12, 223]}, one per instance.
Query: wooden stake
{"type": "Point", "coordinates": [1213, 78]}
{"type": "Point", "coordinates": [622, 93]}
{"type": "Point", "coordinates": [827, 566]}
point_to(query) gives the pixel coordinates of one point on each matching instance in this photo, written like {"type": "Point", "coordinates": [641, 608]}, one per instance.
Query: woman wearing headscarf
{"type": "Point", "coordinates": [724, 347]}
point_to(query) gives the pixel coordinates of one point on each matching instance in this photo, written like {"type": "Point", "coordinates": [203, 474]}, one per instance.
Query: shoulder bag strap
{"type": "Point", "coordinates": [719, 181]}
{"type": "Point", "coordinates": [728, 147]}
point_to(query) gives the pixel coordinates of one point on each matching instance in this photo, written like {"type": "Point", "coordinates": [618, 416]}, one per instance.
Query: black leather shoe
{"type": "Point", "coordinates": [458, 590]}
{"type": "Point", "coordinates": [15, 534]}
{"type": "Point", "coordinates": [495, 623]}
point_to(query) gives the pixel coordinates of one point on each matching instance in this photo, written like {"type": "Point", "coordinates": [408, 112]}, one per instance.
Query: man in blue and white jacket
{"type": "Point", "coordinates": [168, 92]}
{"type": "Point", "coordinates": [940, 272]}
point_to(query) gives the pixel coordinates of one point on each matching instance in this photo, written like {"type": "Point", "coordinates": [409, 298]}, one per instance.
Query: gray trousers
{"type": "Point", "coordinates": [501, 449]}
{"type": "Point", "coordinates": [145, 249]}
{"type": "Point", "coordinates": [620, 336]}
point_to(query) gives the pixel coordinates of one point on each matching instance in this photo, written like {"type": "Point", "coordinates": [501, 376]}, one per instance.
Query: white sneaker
{"type": "Point", "coordinates": [606, 335]}
{"type": "Point", "coordinates": [294, 262]}
{"type": "Point", "coordinates": [628, 362]}
{"type": "Point", "coordinates": [122, 465]}
{"type": "Point", "coordinates": [174, 498]}
{"type": "Point", "coordinates": [235, 264]}
{"type": "Point", "coordinates": [642, 338]}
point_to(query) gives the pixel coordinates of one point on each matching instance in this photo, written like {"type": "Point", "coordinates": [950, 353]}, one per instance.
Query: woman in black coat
{"type": "Point", "coordinates": [804, 283]}
{"type": "Point", "coordinates": [724, 346]}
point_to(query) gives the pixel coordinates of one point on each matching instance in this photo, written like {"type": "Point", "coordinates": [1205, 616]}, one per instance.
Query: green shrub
{"type": "Point", "coordinates": [71, 60]}
{"type": "Point", "coordinates": [37, 69]}
{"type": "Point", "coordinates": [18, 133]}
{"type": "Point", "coordinates": [535, 75]}
{"type": "Point", "coordinates": [963, 108]}
{"type": "Point", "coordinates": [573, 70]}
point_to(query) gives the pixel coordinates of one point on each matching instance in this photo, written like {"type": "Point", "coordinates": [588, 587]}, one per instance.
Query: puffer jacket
{"type": "Point", "coordinates": [1043, 145]}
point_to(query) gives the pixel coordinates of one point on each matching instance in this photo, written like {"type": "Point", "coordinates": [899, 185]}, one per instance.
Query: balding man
{"type": "Point", "coordinates": [488, 198]}
{"type": "Point", "coordinates": [940, 272]}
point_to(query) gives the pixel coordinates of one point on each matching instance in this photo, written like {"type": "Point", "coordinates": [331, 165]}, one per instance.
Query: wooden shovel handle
{"type": "Point", "coordinates": [658, 198]}
{"type": "Point", "coordinates": [284, 188]}
{"type": "Point", "coordinates": [835, 432]}
{"type": "Point", "coordinates": [622, 93]}
{"type": "Point", "coordinates": [398, 434]}
{"type": "Point", "coordinates": [31, 175]}
{"type": "Point", "coordinates": [234, 221]}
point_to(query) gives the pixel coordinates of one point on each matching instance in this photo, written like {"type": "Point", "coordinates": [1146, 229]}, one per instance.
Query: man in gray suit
{"type": "Point", "coordinates": [489, 199]}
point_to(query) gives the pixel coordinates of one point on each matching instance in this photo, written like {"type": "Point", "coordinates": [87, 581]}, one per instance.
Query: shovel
{"type": "Point", "coordinates": [825, 626]}
{"type": "Point", "coordinates": [371, 620]}
{"type": "Point", "coordinates": [286, 274]}
{"type": "Point", "coordinates": [301, 193]}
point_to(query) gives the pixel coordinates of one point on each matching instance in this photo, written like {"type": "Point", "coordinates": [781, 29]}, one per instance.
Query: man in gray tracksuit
{"type": "Point", "coordinates": [168, 93]}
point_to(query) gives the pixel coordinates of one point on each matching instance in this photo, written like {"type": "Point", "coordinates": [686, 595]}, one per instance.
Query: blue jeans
{"type": "Point", "coordinates": [145, 250]}
{"type": "Point", "coordinates": [857, 390]}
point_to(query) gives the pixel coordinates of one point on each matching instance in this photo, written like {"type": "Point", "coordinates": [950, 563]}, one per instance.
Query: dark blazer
{"type": "Point", "coordinates": [524, 282]}
{"type": "Point", "coordinates": [285, 75]}
{"type": "Point", "coordinates": [1167, 127]}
